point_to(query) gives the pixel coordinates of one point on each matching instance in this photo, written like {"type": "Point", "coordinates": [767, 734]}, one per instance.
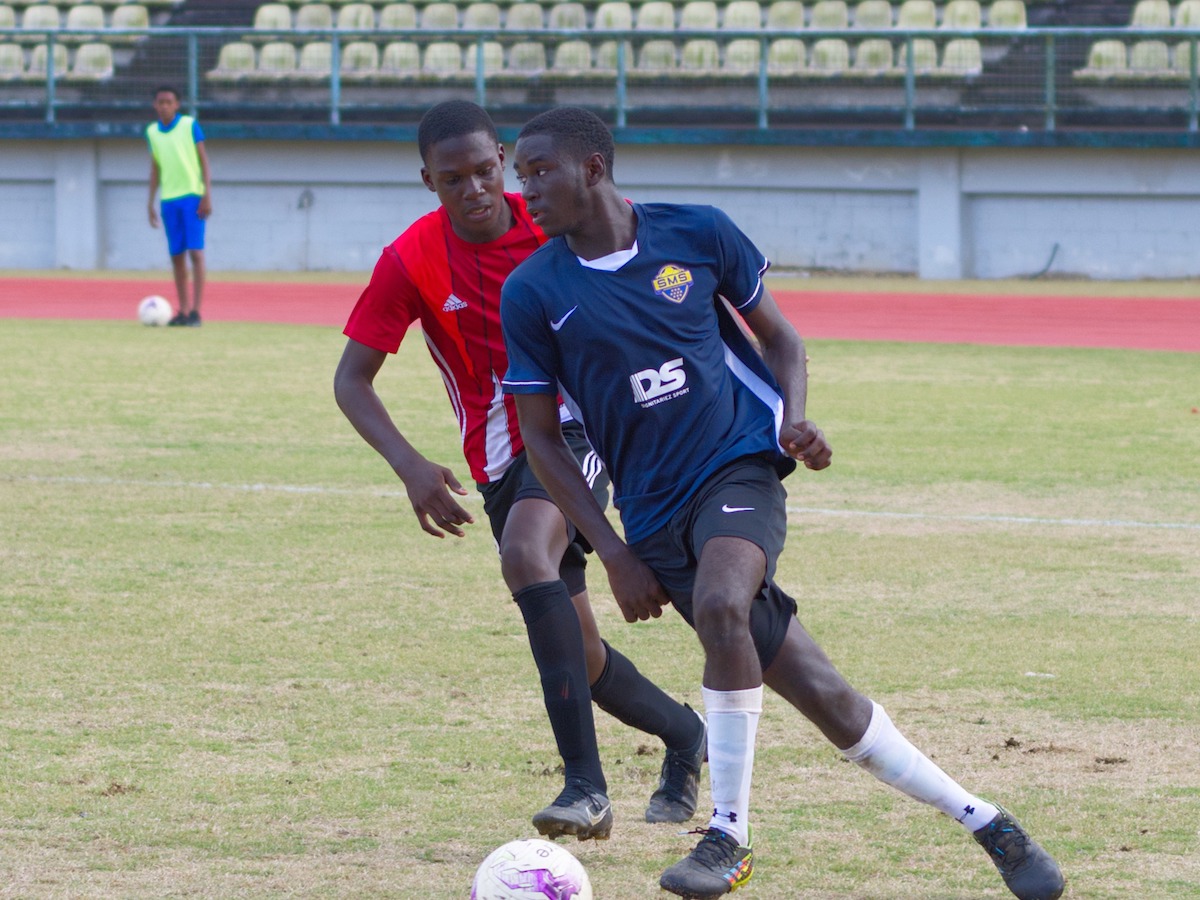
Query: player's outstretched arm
{"type": "Point", "coordinates": [634, 586]}
{"type": "Point", "coordinates": [783, 352]}
{"type": "Point", "coordinates": [430, 487]}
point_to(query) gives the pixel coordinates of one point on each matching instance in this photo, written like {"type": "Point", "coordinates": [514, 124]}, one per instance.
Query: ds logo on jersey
{"type": "Point", "coordinates": [654, 386]}
{"type": "Point", "coordinates": [672, 283]}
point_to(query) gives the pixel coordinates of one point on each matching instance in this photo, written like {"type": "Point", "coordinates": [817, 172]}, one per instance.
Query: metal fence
{"type": "Point", "coordinates": [1036, 79]}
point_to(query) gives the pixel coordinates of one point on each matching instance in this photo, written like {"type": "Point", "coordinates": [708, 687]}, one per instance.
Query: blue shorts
{"type": "Point", "coordinates": [184, 227]}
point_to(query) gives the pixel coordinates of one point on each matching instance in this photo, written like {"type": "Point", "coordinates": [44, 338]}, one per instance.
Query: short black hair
{"type": "Point", "coordinates": [166, 89]}
{"type": "Point", "coordinates": [577, 131]}
{"type": "Point", "coordinates": [451, 119]}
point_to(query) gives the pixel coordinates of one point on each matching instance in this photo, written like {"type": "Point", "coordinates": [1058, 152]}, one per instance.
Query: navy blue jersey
{"type": "Point", "coordinates": [646, 355]}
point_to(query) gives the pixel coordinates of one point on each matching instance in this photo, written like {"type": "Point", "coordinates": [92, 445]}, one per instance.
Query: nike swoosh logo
{"type": "Point", "coordinates": [559, 324]}
{"type": "Point", "coordinates": [597, 817]}
{"type": "Point", "coordinates": [727, 508]}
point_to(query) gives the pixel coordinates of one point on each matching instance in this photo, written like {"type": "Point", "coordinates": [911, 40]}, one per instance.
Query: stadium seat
{"type": "Point", "coordinates": [830, 14]}
{"type": "Point", "coordinates": [698, 15]}
{"type": "Point", "coordinates": [700, 56]}
{"type": "Point", "coordinates": [439, 17]}
{"type": "Point", "coordinates": [92, 62]}
{"type": "Point", "coordinates": [39, 60]}
{"type": "Point", "coordinates": [355, 17]}
{"type": "Point", "coordinates": [962, 14]}
{"type": "Point", "coordinates": [873, 57]}
{"type": "Point", "coordinates": [87, 18]}
{"type": "Point", "coordinates": [786, 56]}
{"type": "Point", "coordinates": [925, 57]}
{"type": "Point", "coordinates": [273, 17]}
{"type": "Point", "coordinates": [1187, 14]}
{"type": "Point", "coordinates": [481, 16]}
{"type": "Point", "coordinates": [567, 15]}
{"type": "Point", "coordinates": [1181, 60]}
{"type": "Point", "coordinates": [42, 17]}
{"type": "Point", "coordinates": [401, 59]}
{"type": "Point", "coordinates": [12, 62]}
{"type": "Point", "coordinates": [360, 60]}
{"type": "Point", "coordinates": [235, 62]}
{"type": "Point", "coordinates": [657, 57]}
{"type": "Point", "coordinates": [493, 58]}
{"type": "Point", "coordinates": [525, 17]}
{"type": "Point", "coordinates": [1151, 14]}
{"type": "Point", "coordinates": [313, 16]}
{"type": "Point", "coordinates": [917, 14]}
{"type": "Point", "coordinates": [316, 61]}
{"type": "Point", "coordinates": [613, 15]}
{"type": "Point", "coordinates": [785, 15]}
{"type": "Point", "coordinates": [742, 56]}
{"type": "Point", "coordinates": [1150, 59]}
{"type": "Point", "coordinates": [1106, 59]}
{"type": "Point", "coordinates": [398, 17]}
{"type": "Point", "coordinates": [607, 56]}
{"type": "Point", "coordinates": [830, 56]}
{"type": "Point", "coordinates": [443, 59]}
{"type": "Point", "coordinates": [1008, 14]}
{"type": "Point", "coordinates": [572, 58]}
{"type": "Point", "coordinates": [745, 15]}
{"type": "Point", "coordinates": [129, 15]}
{"type": "Point", "coordinates": [276, 59]}
{"type": "Point", "coordinates": [873, 14]}
{"type": "Point", "coordinates": [961, 57]}
{"type": "Point", "coordinates": [527, 58]}
{"type": "Point", "coordinates": [656, 15]}
{"type": "Point", "coordinates": [8, 19]}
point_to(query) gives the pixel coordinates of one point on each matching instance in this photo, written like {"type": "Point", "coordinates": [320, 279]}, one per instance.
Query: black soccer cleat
{"type": "Point", "coordinates": [193, 319]}
{"type": "Point", "coordinates": [580, 810]}
{"type": "Point", "coordinates": [1029, 871]}
{"type": "Point", "coordinates": [679, 781]}
{"type": "Point", "coordinates": [717, 866]}
{"type": "Point", "coordinates": [180, 318]}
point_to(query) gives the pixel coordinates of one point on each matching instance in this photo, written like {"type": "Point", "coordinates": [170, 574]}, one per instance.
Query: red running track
{"type": "Point", "coordinates": [1013, 320]}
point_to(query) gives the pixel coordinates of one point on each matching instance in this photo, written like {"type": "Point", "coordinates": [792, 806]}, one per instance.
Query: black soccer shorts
{"type": "Point", "coordinates": [744, 499]}
{"type": "Point", "coordinates": [519, 483]}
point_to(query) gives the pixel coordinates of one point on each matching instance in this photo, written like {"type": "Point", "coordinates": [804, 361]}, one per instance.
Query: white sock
{"type": "Point", "coordinates": [732, 724]}
{"type": "Point", "coordinates": [887, 754]}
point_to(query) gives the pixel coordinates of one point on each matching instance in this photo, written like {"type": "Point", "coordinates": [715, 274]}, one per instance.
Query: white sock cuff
{"type": "Point", "coordinates": [747, 701]}
{"type": "Point", "coordinates": [880, 721]}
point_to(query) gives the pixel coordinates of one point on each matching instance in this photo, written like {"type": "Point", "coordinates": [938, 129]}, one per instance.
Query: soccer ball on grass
{"type": "Point", "coordinates": [531, 870]}
{"type": "Point", "coordinates": [154, 310]}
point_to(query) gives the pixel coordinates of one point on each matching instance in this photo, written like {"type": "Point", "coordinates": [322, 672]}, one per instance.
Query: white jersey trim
{"type": "Point", "coordinates": [612, 262]}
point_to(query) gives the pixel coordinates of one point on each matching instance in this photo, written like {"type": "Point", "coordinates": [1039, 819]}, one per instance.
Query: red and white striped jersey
{"type": "Point", "coordinates": [430, 274]}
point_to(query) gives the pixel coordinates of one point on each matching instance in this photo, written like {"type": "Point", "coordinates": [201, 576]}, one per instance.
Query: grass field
{"type": "Point", "coordinates": [233, 666]}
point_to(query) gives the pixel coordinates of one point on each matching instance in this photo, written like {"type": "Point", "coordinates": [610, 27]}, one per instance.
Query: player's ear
{"type": "Point", "coordinates": [595, 169]}
{"type": "Point", "coordinates": [425, 177]}
{"type": "Point", "coordinates": [500, 153]}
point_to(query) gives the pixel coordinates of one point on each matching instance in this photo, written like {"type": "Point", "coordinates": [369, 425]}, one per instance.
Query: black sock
{"type": "Point", "coordinates": [629, 696]}
{"type": "Point", "coordinates": [557, 644]}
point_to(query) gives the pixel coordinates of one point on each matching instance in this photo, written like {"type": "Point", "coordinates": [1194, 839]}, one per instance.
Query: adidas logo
{"type": "Point", "coordinates": [453, 304]}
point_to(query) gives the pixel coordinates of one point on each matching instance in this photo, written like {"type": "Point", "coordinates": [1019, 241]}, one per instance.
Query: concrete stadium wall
{"type": "Point", "coordinates": [934, 212]}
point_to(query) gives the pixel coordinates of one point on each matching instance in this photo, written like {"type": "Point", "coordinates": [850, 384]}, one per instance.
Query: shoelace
{"type": "Point", "coordinates": [1007, 844]}
{"type": "Point", "coordinates": [716, 850]}
{"type": "Point", "coordinates": [572, 793]}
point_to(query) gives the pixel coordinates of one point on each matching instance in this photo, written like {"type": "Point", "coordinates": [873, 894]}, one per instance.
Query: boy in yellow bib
{"type": "Point", "coordinates": [179, 165]}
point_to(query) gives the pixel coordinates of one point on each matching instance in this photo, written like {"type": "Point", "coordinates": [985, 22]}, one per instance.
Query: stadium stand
{"type": "Point", "coordinates": [92, 62]}
{"type": "Point", "coordinates": [698, 15]}
{"type": "Point", "coordinates": [398, 17]}
{"type": "Point", "coordinates": [873, 14]}
{"type": "Point", "coordinates": [917, 14]}
{"type": "Point", "coordinates": [492, 58]}
{"type": "Point", "coordinates": [785, 15]}
{"type": "Point", "coordinates": [567, 16]}
{"type": "Point", "coordinates": [527, 17]}
{"type": "Point", "coordinates": [481, 16]}
{"type": "Point", "coordinates": [830, 15]}
{"type": "Point", "coordinates": [613, 15]}
{"type": "Point", "coordinates": [745, 15]}
{"type": "Point", "coordinates": [12, 62]}
{"type": "Point", "coordinates": [962, 14]}
{"type": "Point", "coordinates": [314, 17]}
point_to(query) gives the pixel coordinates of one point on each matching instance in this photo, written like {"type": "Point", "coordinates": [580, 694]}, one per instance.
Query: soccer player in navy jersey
{"type": "Point", "coordinates": [623, 314]}
{"type": "Point", "coordinates": [445, 271]}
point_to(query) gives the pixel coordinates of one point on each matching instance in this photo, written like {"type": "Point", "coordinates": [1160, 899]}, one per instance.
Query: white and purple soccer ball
{"type": "Point", "coordinates": [154, 310]}
{"type": "Point", "coordinates": [531, 870]}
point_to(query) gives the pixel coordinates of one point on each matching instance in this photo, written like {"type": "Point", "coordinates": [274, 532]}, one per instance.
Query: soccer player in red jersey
{"type": "Point", "coordinates": [445, 271]}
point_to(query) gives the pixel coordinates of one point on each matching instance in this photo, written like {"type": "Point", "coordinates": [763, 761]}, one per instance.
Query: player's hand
{"type": "Point", "coordinates": [204, 210]}
{"type": "Point", "coordinates": [153, 215]}
{"type": "Point", "coordinates": [806, 442]}
{"type": "Point", "coordinates": [635, 588]}
{"type": "Point", "coordinates": [431, 490]}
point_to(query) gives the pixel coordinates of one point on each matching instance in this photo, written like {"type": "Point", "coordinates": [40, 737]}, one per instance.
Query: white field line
{"type": "Point", "coordinates": [792, 510]}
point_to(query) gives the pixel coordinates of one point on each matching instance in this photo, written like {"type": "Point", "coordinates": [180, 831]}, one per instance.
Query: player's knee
{"type": "Point", "coordinates": [523, 564]}
{"type": "Point", "coordinates": [720, 618]}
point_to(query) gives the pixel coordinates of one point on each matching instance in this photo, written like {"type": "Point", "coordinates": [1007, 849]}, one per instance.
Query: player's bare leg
{"type": "Point", "coordinates": [199, 278]}
{"type": "Point", "coordinates": [862, 730]}
{"type": "Point", "coordinates": [180, 273]}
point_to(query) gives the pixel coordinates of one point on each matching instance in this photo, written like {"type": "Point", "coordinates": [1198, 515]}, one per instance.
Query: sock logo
{"type": "Point", "coordinates": [730, 816]}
